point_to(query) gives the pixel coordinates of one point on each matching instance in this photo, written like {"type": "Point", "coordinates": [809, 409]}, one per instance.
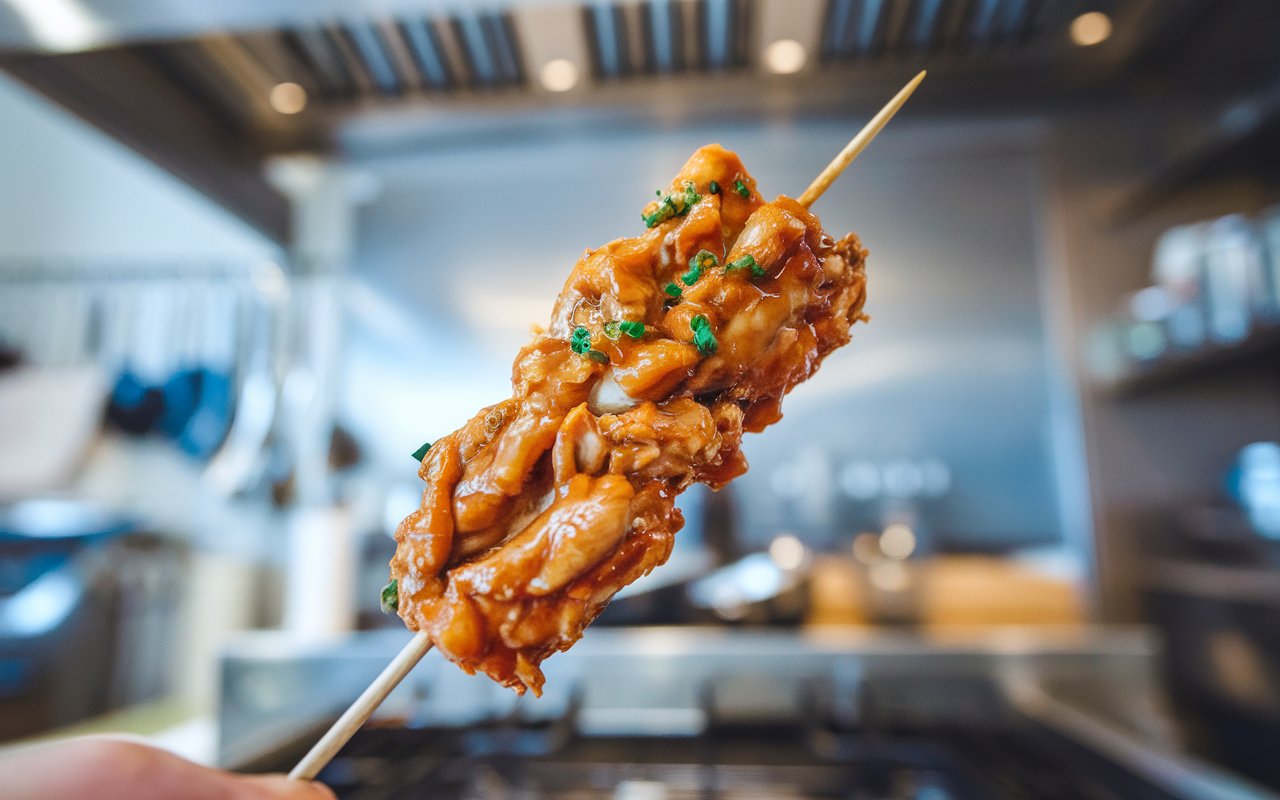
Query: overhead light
{"type": "Point", "coordinates": [1090, 28]}
{"type": "Point", "coordinates": [61, 25]}
{"type": "Point", "coordinates": [288, 98]}
{"type": "Point", "coordinates": [785, 57]}
{"type": "Point", "coordinates": [787, 552]}
{"type": "Point", "coordinates": [269, 278]}
{"type": "Point", "coordinates": [559, 75]}
{"type": "Point", "coordinates": [898, 541]}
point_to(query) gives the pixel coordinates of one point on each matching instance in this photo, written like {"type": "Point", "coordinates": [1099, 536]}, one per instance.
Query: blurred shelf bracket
{"type": "Point", "coordinates": [1259, 350]}
{"type": "Point", "coordinates": [1243, 584]}
{"type": "Point", "coordinates": [1240, 142]}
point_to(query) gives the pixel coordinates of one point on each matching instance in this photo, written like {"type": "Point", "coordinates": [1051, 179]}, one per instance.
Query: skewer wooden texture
{"type": "Point", "coordinates": [857, 144]}
{"type": "Point", "coordinates": [364, 706]}
{"type": "Point", "coordinates": [360, 711]}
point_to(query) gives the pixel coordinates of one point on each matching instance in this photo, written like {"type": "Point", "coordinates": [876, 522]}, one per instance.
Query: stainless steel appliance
{"type": "Point", "coordinates": [707, 713]}
{"type": "Point", "coordinates": [87, 611]}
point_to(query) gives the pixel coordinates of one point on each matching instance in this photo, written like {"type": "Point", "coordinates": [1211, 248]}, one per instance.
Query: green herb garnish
{"type": "Point", "coordinates": [703, 338]}
{"type": "Point", "coordinates": [666, 210]}
{"type": "Point", "coordinates": [691, 195]}
{"type": "Point", "coordinates": [616, 328]}
{"type": "Point", "coordinates": [421, 452]}
{"type": "Point", "coordinates": [580, 343]}
{"type": "Point", "coordinates": [746, 262]}
{"type": "Point", "coordinates": [676, 204]}
{"type": "Point", "coordinates": [704, 259]}
{"type": "Point", "coordinates": [632, 328]}
{"type": "Point", "coordinates": [742, 188]}
{"type": "Point", "coordinates": [714, 188]}
{"type": "Point", "coordinates": [391, 597]}
{"type": "Point", "coordinates": [673, 291]}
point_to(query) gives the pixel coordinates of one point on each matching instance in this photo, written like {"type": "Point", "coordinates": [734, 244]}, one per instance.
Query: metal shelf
{"type": "Point", "coordinates": [1259, 350]}
{"type": "Point", "coordinates": [1247, 584]}
{"type": "Point", "coordinates": [1239, 143]}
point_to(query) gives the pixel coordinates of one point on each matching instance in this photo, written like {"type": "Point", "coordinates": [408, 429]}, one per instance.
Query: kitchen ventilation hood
{"type": "Point", "coordinates": [209, 90]}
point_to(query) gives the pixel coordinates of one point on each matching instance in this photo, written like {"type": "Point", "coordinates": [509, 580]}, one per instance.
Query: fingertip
{"type": "Point", "coordinates": [318, 791]}
{"type": "Point", "coordinates": [281, 788]}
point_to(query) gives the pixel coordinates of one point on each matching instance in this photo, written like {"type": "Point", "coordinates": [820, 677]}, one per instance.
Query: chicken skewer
{"type": "Point", "coordinates": [543, 506]}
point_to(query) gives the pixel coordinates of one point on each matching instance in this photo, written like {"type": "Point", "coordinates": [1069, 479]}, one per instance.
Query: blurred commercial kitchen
{"type": "Point", "coordinates": [1021, 538]}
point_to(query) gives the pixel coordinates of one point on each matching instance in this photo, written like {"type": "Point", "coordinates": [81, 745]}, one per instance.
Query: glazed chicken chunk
{"type": "Point", "coordinates": [661, 351]}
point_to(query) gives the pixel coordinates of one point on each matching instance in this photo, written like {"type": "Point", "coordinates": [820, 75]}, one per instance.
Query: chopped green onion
{"type": "Point", "coordinates": [421, 452]}
{"type": "Point", "coordinates": [391, 597]}
{"type": "Point", "coordinates": [701, 261]}
{"type": "Point", "coordinates": [746, 262]}
{"type": "Point", "coordinates": [581, 344]}
{"type": "Point", "coordinates": [665, 211]}
{"type": "Point", "coordinates": [673, 205]}
{"type": "Point", "coordinates": [705, 341]}
{"type": "Point", "coordinates": [632, 328]}
{"type": "Point", "coordinates": [691, 196]}
{"type": "Point", "coordinates": [672, 291]}
{"type": "Point", "coordinates": [703, 338]}
{"type": "Point", "coordinates": [704, 259]}
{"type": "Point", "coordinates": [714, 188]}
{"type": "Point", "coordinates": [742, 188]}
{"type": "Point", "coordinates": [616, 328]}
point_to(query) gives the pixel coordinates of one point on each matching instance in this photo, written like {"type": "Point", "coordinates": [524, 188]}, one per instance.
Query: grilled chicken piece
{"type": "Point", "coordinates": [662, 350]}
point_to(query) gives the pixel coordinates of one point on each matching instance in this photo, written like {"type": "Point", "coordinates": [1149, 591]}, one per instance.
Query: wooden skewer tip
{"type": "Point", "coordinates": [858, 143]}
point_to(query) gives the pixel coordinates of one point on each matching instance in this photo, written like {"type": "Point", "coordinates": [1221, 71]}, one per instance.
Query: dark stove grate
{"type": "Point", "coordinates": [497, 763]}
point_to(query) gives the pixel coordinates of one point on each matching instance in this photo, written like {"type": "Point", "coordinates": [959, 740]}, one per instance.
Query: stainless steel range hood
{"type": "Point", "coordinates": [404, 50]}
{"type": "Point", "coordinates": [190, 84]}
{"type": "Point", "coordinates": [79, 24]}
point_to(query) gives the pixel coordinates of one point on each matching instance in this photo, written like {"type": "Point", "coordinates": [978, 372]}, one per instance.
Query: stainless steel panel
{"type": "Point", "coordinates": [668, 680]}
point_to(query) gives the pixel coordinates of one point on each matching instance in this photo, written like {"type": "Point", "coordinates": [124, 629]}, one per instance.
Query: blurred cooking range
{"type": "Point", "coordinates": [1020, 538]}
{"type": "Point", "coordinates": [678, 712]}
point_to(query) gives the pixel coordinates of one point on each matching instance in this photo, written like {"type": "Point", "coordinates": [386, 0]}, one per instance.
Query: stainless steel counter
{"type": "Point", "coordinates": [659, 678]}
{"type": "Point", "coordinates": [1094, 687]}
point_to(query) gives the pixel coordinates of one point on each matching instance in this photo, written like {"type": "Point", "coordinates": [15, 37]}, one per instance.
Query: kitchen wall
{"type": "Point", "coordinates": [70, 192]}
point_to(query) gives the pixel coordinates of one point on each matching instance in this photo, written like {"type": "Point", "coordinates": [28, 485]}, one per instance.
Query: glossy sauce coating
{"type": "Point", "coordinates": [540, 508]}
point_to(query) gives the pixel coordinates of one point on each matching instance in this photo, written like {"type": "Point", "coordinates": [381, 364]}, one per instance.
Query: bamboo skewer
{"type": "Point", "coordinates": [364, 706]}
{"type": "Point", "coordinates": [857, 144]}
